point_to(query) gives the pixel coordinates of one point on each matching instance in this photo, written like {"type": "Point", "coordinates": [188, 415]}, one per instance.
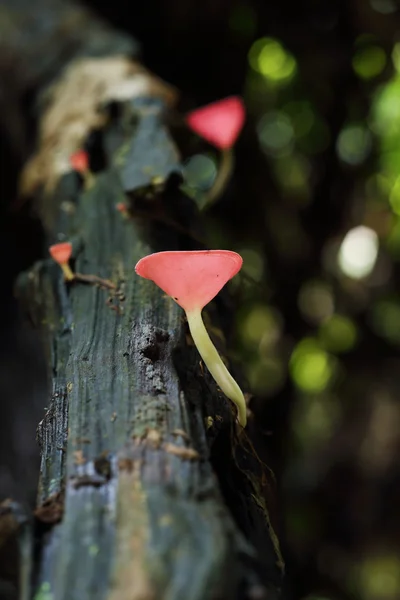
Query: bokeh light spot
{"type": "Point", "coordinates": [301, 115]}
{"type": "Point", "coordinates": [396, 56]}
{"type": "Point", "coordinates": [369, 62]}
{"type": "Point", "coordinates": [311, 367]}
{"type": "Point", "coordinates": [315, 301]}
{"type": "Point", "coordinates": [276, 133]}
{"type": "Point", "coordinates": [293, 174]}
{"type": "Point", "coordinates": [379, 577]}
{"type": "Point", "coordinates": [386, 111]}
{"type": "Point", "coordinates": [253, 264]}
{"type": "Point", "coordinates": [358, 252]}
{"type": "Point", "coordinates": [385, 320]}
{"type": "Point", "coordinates": [200, 171]}
{"type": "Point", "coordinates": [394, 196]}
{"type": "Point", "coordinates": [338, 334]}
{"type": "Point", "coordinates": [354, 144]}
{"type": "Point", "coordinates": [268, 57]}
{"type": "Point", "coordinates": [261, 323]}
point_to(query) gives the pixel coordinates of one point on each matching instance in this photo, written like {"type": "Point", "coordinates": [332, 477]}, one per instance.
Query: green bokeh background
{"type": "Point", "coordinates": [318, 324]}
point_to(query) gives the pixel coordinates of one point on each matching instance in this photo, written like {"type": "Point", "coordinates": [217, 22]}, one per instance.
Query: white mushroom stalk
{"type": "Point", "coordinates": [215, 364]}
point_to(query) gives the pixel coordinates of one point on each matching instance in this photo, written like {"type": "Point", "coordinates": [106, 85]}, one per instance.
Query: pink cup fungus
{"type": "Point", "coordinates": [79, 161]}
{"type": "Point", "coordinates": [122, 208]}
{"type": "Point", "coordinates": [61, 254]}
{"type": "Point", "coordinates": [220, 124]}
{"type": "Point", "coordinates": [193, 279]}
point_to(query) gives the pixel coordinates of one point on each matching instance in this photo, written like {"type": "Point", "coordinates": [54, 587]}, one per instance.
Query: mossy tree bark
{"type": "Point", "coordinates": [146, 489]}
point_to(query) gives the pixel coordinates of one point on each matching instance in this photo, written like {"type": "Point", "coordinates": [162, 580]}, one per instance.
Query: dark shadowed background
{"type": "Point", "coordinates": [314, 208]}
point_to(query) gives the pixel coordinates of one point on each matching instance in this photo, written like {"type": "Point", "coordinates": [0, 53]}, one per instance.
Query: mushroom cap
{"type": "Point", "coordinates": [193, 277]}
{"type": "Point", "coordinates": [61, 253]}
{"type": "Point", "coordinates": [220, 122]}
{"type": "Point", "coordinates": [79, 161]}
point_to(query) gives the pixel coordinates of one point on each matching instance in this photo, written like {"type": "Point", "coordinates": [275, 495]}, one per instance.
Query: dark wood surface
{"type": "Point", "coordinates": [137, 508]}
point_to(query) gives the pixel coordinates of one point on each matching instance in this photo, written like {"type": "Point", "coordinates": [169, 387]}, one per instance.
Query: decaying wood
{"type": "Point", "coordinates": [125, 439]}
{"type": "Point", "coordinates": [147, 491]}
{"type": "Point", "coordinates": [74, 106]}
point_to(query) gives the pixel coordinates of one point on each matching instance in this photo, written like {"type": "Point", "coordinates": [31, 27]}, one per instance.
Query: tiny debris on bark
{"type": "Point", "coordinates": [180, 433]}
{"type": "Point", "coordinates": [153, 438]}
{"type": "Point", "coordinates": [88, 481]}
{"type": "Point", "coordinates": [79, 459]}
{"type": "Point", "coordinates": [184, 453]}
{"type": "Point", "coordinates": [102, 466]}
{"type": "Point", "coordinates": [52, 510]}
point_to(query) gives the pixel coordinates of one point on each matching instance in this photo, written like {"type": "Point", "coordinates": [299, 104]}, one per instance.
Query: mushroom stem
{"type": "Point", "coordinates": [224, 173]}
{"type": "Point", "coordinates": [69, 275]}
{"type": "Point", "coordinates": [88, 179]}
{"type": "Point", "coordinates": [214, 363]}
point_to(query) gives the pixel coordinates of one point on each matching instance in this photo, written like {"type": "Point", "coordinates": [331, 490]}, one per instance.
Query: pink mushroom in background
{"type": "Point", "coordinates": [122, 208]}
{"type": "Point", "coordinates": [220, 124]}
{"type": "Point", "coordinates": [193, 279]}
{"type": "Point", "coordinates": [61, 254]}
{"type": "Point", "coordinates": [79, 161]}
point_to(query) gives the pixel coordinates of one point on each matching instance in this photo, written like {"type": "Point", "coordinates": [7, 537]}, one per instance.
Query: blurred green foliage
{"type": "Point", "coordinates": [324, 345]}
{"type": "Point", "coordinates": [269, 58]}
{"type": "Point", "coordinates": [368, 62]}
{"type": "Point", "coordinates": [291, 132]}
{"type": "Point", "coordinates": [318, 324]}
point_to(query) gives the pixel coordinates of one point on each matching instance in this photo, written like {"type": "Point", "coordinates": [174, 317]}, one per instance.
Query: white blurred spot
{"type": "Point", "coordinates": [358, 252]}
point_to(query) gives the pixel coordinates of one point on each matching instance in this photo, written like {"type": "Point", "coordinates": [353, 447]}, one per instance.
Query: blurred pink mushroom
{"type": "Point", "coordinates": [220, 124]}
{"type": "Point", "coordinates": [61, 254]}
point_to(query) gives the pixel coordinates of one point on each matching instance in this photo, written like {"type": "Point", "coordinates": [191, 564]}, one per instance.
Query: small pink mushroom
{"type": "Point", "coordinates": [61, 254]}
{"type": "Point", "coordinates": [193, 279]}
{"type": "Point", "coordinates": [122, 208]}
{"type": "Point", "coordinates": [220, 123]}
{"type": "Point", "coordinates": [79, 161]}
